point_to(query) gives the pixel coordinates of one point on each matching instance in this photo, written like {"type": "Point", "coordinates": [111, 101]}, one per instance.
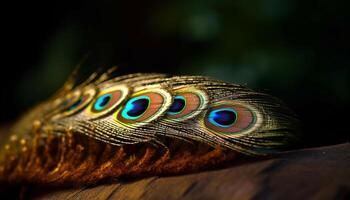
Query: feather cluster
{"type": "Point", "coordinates": [142, 124]}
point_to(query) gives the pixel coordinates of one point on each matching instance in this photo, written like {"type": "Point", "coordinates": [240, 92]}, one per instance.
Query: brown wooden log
{"type": "Point", "coordinates": [318, 173]}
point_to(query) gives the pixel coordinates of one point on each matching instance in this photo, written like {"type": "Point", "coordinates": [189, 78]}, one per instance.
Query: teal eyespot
{"type": "Point", "coordinates": [102, 102]}
{"type": "Point", "coordinates": [108, 99]}
{"type": "Point", "coordinates": [177, 106]}
{"type": "Point", "coordinates": [143, 107]}
{"type": "Point", "coordinates": [75, 104]}
{"type": "Point", "coordinates": [188, 103]}
{"type": "Point", "coordinates": [136, 107]}
{"type": "Point", "coordinates": [223, 117]}
{"type": "Point", "coordinates": [230, 118]}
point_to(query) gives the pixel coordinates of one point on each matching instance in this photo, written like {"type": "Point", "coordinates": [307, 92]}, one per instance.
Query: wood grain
{"type": "Point", "coordinates": [318, 173]}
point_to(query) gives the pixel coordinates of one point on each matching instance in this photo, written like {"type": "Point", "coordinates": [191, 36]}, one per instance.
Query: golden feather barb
{"type": "Point", "coordinates": [149, 110]}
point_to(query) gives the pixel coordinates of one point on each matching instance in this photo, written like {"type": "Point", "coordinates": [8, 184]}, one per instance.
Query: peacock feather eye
{"type": "Point", "coordinates": [188, 103]}
{"type": "Point", "coordinates": [67, 102]}
{"type": "Point", "coordinates": [107, 100]}
{"type": "Point", "coordinates": [143, 107]}
{"type": "Point", "coordinates": [230, 118]}
{"type": "Point", "coordinates": [76, 103]}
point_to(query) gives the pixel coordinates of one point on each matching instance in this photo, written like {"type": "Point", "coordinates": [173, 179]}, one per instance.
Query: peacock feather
{"type": "Point", "coordinates": [142, 124]}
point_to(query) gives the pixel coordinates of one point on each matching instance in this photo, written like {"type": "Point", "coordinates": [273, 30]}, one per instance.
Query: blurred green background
{"type": "Point", "coordinates": [293, 49]}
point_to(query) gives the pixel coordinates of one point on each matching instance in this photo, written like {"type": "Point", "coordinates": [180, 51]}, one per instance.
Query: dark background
{"type": "Point", "coordinates": [296, 50]}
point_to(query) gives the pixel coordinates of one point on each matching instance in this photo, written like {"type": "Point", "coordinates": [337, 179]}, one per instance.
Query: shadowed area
{"type": "Point", "coordinates": [295, 50]}
{"type": "Point", "coordinates": [319, 173]}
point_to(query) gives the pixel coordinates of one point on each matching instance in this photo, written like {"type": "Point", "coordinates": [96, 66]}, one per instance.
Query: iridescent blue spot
{"type": "Point", "coordinates": [136, 107]}
{"type": "Point", "coordinates": [75, 104]}
{"type": "Point", "coordinates": [178, 105]}
{"type": "Point", "coordinates": [102, 101]}
{"type": "Point", "coordinates": [223, 117]}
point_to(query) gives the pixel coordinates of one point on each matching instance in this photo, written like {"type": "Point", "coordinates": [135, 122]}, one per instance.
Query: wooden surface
{"type": "Point", "coordinates": [319, 173]}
